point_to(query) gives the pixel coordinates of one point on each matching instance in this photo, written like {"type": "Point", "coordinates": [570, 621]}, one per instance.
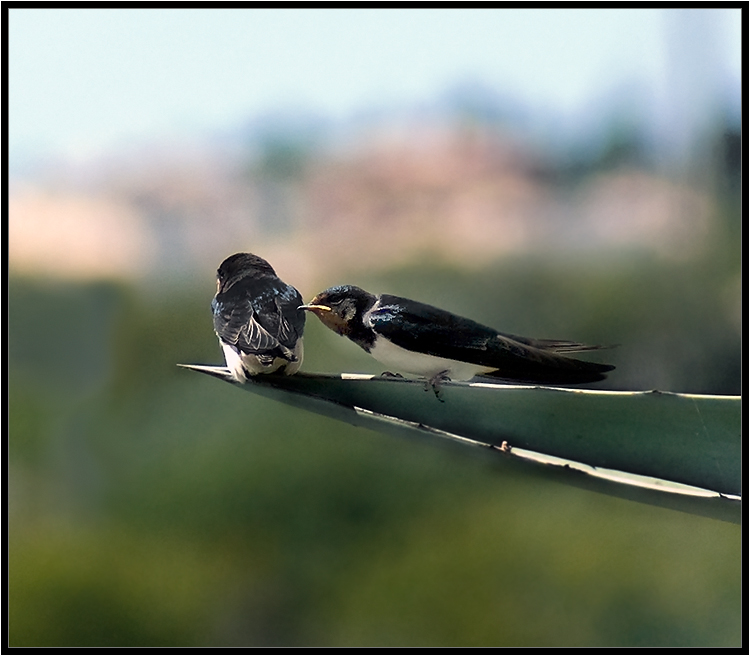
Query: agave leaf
{"type": "Point", "coordinates": [676, 450]}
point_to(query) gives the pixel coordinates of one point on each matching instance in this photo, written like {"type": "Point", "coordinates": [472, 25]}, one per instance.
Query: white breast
{"type": "Point", "coordinates": [239, 363]}
{"type": "Point", "coordinates": [399, 359]}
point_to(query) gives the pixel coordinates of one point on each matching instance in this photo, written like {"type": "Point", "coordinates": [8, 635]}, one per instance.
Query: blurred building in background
{"type": "Point", "coordinates": [466, 194]}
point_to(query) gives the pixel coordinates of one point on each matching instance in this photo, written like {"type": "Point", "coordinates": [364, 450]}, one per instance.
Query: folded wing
{"type": "Point", "coordinates": [424, 328]}
{"type": "Point", "coordinates": [266, 323]}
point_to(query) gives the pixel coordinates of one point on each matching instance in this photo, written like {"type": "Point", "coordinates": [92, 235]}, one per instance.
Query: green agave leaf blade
{"type": "Point", "coordinates": [665, 444]}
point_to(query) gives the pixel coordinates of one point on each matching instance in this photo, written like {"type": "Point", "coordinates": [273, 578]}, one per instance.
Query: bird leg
{"type": "Point", "coordinates": [435, 382]}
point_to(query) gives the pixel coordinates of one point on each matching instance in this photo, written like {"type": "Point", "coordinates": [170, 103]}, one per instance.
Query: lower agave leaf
{"type": "Point", "coordinates": [676, 450]}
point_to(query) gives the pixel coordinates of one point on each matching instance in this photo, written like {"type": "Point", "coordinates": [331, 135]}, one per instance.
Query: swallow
{"type": "Point", "coordinates": [257, 318]}
{"type": "Point", "coordinates": [420, 339]}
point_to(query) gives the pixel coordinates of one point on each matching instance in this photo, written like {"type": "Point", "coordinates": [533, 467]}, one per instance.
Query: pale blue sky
{"type": "Point", "coordinates": [83, 81]}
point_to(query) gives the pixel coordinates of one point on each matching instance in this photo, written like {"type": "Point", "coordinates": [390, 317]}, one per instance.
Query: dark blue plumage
{"type": "Point", "coordinates": [257, 318]}
{"type": "Point", "coordinates": [421, 339]}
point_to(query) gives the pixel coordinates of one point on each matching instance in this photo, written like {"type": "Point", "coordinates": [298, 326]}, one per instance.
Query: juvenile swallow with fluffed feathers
{"type": "Point", "coordinates": [257, 318]}
{"type": "Point", "coordinates": [420, 339]}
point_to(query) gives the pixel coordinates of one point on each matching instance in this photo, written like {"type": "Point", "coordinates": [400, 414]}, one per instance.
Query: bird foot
{"type": "Point", "coordinates": [435, 382]}
{"type": "Point", "coordinates": [390, 374]}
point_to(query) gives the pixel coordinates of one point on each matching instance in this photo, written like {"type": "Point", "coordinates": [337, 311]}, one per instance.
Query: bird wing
{"type": "Point", "coordinates": [557, 345]}
{"type": "Point", "coordinates": [290, 319]}
{"type": "Point", "coordinates": [426, 329]}
{"type": "Point", "coordinates": [241, 328]}
{"type": "Point", "coordinates": [260, 320]}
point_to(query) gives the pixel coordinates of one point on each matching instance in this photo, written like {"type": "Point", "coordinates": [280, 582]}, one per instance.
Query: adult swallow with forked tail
{"type": "Point", "coordinates": [257, 318]}
{"type": "Point", "coordinates": [420, 339]}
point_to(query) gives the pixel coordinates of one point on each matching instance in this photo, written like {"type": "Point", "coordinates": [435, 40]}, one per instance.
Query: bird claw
{"type": "Point", "coordinates": [435, 382]}
{"type": "Point", "coordinates": [390, 374]}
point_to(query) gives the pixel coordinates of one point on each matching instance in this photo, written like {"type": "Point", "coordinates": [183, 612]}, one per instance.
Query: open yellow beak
{"type": "Point", "coordinates": [329, 318]}
{"type": "Point", "coordinates": [315, 308]}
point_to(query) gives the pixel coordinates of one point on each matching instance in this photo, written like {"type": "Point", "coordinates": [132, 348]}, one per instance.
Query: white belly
{"type": "Point", "coordinates": [240, 363]}
{"type": "Point", "coordinates": [398, 359]}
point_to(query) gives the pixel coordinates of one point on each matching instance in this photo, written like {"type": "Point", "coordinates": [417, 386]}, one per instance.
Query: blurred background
{"type": "Point", "coordinates": [565, 174]}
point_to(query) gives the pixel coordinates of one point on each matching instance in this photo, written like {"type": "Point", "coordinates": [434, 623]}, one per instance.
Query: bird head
{"type": "Point", "coordinates": [338, 307]}
{"type": "Point", "coordinates": [238, 266]}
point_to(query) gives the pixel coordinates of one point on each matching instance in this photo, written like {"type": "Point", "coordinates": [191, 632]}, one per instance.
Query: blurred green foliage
{"type": "Point", "coordinates": [150, 506]}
